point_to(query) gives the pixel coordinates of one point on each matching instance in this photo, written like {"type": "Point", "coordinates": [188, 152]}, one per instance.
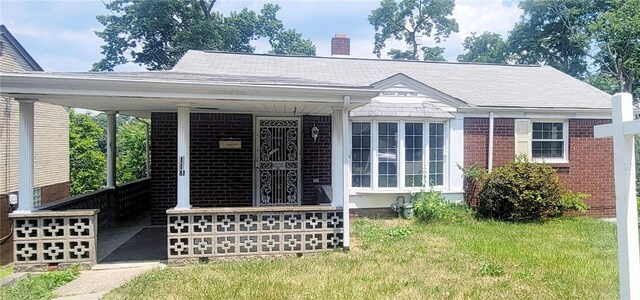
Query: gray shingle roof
{"type": "Point", "coordinates": [476, 84]}
{"type": "Point", "coordinates": [377, 108]}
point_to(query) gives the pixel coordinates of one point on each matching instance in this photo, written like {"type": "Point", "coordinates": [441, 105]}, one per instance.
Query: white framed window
{"type": "Point", "coordinates": [397, 154]}
{"type": "Point", "coordinates": [543, 140]}
{"type": "Point", "coordinates": [414, 154]}
{"type": "Point", "coordinates": [361, 154]}
{"type": "Point", "coordinates": [37, 197]}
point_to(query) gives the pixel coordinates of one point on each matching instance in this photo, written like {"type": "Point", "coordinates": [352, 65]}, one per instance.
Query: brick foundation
{"type": "Point", "coordinates": [224, 177]}
{"type": "Point", "coordinates": [590, 167]}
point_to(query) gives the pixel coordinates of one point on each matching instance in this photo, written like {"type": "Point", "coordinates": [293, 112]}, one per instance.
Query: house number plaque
{"type": "Point", "coordinates": [230, 144]}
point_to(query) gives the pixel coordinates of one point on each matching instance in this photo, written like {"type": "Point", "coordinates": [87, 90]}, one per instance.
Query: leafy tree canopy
{"type": "Point", "coordinates": [487, 48]}
{"type": "Point", "coordinates": [157, 33]}
{"type": "Point", "coordinates": [545, 34]}
{"type": "Point", "coordinates": [617, 33]}
{"type": "Point", "coordinates": [290, 42]}
{"type": "Point", "coordinates": [433, 53]}
{"type": "Point", "coordinates": [87, 162]}
{"type": "Point", "coordinates": [410, 20]}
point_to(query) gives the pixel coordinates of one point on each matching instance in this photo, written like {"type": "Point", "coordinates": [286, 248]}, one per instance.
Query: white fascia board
{"type": "Point", "coordinates": [598, 113]}
{"type": "Point", "coordinates": [19, 85]}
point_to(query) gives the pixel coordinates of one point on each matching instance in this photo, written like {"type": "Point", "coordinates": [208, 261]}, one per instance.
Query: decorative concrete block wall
{"type": "Point", "coordinates": [213, 233]}
{"type": "Point", "coordinates": [58, 238]}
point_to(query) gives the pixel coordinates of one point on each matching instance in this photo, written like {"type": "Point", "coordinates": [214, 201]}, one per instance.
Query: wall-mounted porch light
{"type": "Point", "coordinates": [314, 132]}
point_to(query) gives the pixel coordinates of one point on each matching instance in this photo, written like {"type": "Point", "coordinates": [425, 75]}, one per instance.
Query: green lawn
{"type": "Point", "coordinates": [5, 271]}
{"type": "Point", "coordinates": [38, 285]}
{"type": "Point", "coordinates": [396, 259]}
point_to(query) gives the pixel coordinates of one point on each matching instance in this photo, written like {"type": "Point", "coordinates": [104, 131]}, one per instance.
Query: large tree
{"type": "Point", "coordinates": [617, 34]}
{"type": "Point", "coordinates": [409, 21]}
{"type": "Point", "coordinates": [487, 48]}
{"type": "Point", "coordinates": [290, 42]}
{"type": "Point", "coordinates": [87, 161]}
{"type": "Point", "coordinates": [545, 35]}
{"type": "Point", "coordinates": [157, 33]}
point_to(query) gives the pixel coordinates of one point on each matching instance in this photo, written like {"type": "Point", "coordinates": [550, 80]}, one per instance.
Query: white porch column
{"type": "Point", "coordinates": [337, 179]}
{"type": "Point", "coordinates": [25, 169]}
{"type": "Point", "coordinates": [184, 126]}
{"type": "Point", "coordinates": [346, 175]}
{"type": "Point", "coordinates": [340, 160]}
{"type": "Point", "coordinates": [111, 149]}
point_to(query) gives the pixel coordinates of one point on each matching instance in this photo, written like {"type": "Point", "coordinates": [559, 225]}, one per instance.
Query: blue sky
{"type": "Point", "coordinates": [60, 34]}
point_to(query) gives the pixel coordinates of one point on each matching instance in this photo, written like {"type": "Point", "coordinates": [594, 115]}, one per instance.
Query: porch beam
{"type": "Point", "coordinates": [184, 127]}
{"type": "Point", "coordinates": [25, 169]}
{"type": "Point", "coordinates": [111, 148]}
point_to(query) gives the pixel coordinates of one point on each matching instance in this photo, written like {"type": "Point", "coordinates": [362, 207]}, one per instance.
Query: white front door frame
{"type": "Point", "coordinates": [256, 156]}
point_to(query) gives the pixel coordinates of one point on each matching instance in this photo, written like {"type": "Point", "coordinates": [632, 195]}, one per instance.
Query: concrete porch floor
{"type": "Point", "coordinates": [133, 241]}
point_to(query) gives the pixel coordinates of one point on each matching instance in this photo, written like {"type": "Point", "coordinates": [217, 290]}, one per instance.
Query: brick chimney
{"type": "Point", "coordinates": [340, 45]}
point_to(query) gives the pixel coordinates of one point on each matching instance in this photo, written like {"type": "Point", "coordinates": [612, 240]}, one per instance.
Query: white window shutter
{"type": "Point", "coordinates": [523, 137]}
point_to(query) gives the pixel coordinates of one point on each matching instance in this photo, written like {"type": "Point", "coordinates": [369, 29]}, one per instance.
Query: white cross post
{"type": "Point", "coordinates": [623, 129]}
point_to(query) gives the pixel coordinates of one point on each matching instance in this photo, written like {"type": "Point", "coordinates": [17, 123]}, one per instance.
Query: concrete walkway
{"type": "Point", "coordinates": [101, 279]}
{"type": "Point", "coordinates": [111, 239]}
{"type": "Point", "coordinates": [124, 252]}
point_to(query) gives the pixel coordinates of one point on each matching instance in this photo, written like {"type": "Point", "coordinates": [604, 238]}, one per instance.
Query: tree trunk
{"type": "Point", "coordinates": [414, 55]}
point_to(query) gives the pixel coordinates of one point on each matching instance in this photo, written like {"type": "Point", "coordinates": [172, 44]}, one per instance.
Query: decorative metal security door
{"type": "Point", "coordinates": [278, 161]}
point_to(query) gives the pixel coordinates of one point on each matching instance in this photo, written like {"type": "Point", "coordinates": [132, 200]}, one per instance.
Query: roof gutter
{"type": "Point", "coordinates": [488, 109]}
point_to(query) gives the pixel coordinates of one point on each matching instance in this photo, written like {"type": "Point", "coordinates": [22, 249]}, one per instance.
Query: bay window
{"type": "Point", "coordinates": [413, 145]}
{"type": "Point", "coordinates": [397, 154]}
{"type": "Point", "coordinates": [361, 154]}
{"type": "Point", "coordinates": [387, 154]}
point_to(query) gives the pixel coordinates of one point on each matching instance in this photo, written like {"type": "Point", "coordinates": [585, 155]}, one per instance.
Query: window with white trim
{"type": "Point", "coordinates": [436, 154]}
{"type": "Point", "coordinates": [361, 154]}
{"type": "Point", "coordinates": [414, 156]}
{"type": "Point", "coordinates": [387, 154]}
{"type": "Point", "coordinates": [542, 140]}
{"type": "Point", "coordinates": [397, 154]}
{"type": "Point", "coordinates": [37, 196]}
{"type": "Point", "coordinates": [547, 140]}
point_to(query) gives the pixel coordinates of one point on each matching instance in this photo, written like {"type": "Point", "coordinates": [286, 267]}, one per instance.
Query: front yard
{"type": "Point", "coordinates": [558, 259]}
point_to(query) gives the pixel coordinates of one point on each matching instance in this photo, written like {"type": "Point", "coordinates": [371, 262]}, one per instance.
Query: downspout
{"type": "Point", "coordinates": [146, 145]}
{"type": "Point", "coordinates": [490, 156]}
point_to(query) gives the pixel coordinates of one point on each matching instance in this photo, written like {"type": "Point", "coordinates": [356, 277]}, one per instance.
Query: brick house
{"type": "Point", "coordinates": [51, 150]}
{"type": "Point", "coordinates": [263, 154]}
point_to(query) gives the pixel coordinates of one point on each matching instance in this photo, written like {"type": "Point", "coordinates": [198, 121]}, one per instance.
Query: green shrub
{"type": "Point", "coordinates": [428, 206]}
{"type": "Point", "coordinates": [521, 191]}
{"type": "Point", "coordinates": [473, 177]}
{"type": "Point", "coordinates": [571, 201]}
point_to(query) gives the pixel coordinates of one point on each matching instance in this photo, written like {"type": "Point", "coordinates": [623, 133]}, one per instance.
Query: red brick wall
{"type": "Point", "coordinates": [6, 247]}
{"type": "Point", "coordinates": [316, 156]}
{"type": "Point", "coordinates": [54, 192]}
{"type": "Point", "coordinates": [224, 177]}
{"type": "Point", "coordinates": [590, 167]}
